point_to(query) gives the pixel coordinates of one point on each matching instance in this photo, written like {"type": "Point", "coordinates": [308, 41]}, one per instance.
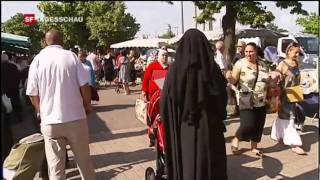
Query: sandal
{"type": "Point", "coordinates": [258, 153]}
{"type": "Point", "coordinates": [298, 151]}
{"type": "Point", "coordinates": [235, 150]}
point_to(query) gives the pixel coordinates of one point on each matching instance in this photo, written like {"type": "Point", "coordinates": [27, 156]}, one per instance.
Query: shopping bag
{"type": "Point", "coordinates": [294, 94]}
{"type": "Point", "coordinates": [26, 157]}
{"type": "Point", "coordinates": [141, 110]}
{"type": "Point", "coordinates": [7, 103]}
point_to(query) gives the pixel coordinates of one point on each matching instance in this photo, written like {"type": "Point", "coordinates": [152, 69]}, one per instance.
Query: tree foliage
{"type": "Point", "coordinates": [104, 22]}
{"type": "Point", "coordinates": [245, 12]}
{"type": "Point", "coordinates": [310, 23]}
{"type": "Point", "coordinates": [109, 23]}
{"type": "Point", "coordinates": [16, 26]}
{"type": "Point", "coordinates": [273, 27]}
{"type": "Point", "coordinates": [75, 33]}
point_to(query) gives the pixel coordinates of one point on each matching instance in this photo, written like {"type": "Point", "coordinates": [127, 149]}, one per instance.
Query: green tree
{"type": "Point", "coordinates": [108, 22]}
{"type": "Point", "coordinates": [16, 26]}
{"type": "Point", "coordinates": [244, 12]}
{"type": "Point", "coordinates": [103, 23]}
{"type": "Point", "coordinates": [310, 23]}
{"type": "Point", "coordinates": [75, 33]}
{"type": "Point", "coordinates": [273, 27]}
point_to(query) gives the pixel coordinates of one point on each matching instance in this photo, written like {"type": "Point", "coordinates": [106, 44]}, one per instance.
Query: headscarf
{"type": "Point", "coordinates": [194, 75]}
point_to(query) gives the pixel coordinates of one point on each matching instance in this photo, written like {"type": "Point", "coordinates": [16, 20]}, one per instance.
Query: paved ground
{"type": "Point", "coordinates": [119, 146]}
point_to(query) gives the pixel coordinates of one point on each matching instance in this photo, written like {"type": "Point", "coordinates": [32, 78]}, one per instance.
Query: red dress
{"type": "Point", "coordinates": [149, 86]}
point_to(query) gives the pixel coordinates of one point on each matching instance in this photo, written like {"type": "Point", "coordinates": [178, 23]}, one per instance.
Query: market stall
{"type": "Point", "coordinates": [15, 43]}
{"type": "Point", "coordinates": [141, 43]}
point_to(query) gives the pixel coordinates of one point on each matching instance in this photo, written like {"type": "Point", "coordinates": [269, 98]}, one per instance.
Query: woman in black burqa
{"type": "Point", "coordinates": [193, 106]}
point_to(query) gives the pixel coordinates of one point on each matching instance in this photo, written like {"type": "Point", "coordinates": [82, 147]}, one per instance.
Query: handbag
{"type": "Point", "coordinates": [294, 94]}
{"type": "Point", "coordinates": [245, 100]}
{"type": "Point", "coordinates": [94, 94]}
{"type": "Point", "coordinates": [141, 110]}
{"type": "Point", "coordinates": [246, 97]}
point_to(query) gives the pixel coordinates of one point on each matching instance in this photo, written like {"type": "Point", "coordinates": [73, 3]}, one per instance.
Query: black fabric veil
{"type": "Point", "coordinates": [192, 77]}
{"type": "Point", "coordinates": [192, 108]}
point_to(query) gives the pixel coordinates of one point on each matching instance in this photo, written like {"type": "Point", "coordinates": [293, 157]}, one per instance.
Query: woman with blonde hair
{"type": "Point", "coordinates": [283, 127]}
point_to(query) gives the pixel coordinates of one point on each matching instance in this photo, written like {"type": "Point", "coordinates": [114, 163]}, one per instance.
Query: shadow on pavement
{"type": "Point", "coordinates": [95, 123]}
{"type": "Point", "coordinates": [98, 129]}
{"type": "Point", "coordinates": [109, 136]}
{"type": "Point", "coordinates": [112, 107]}
{"type": "Point", "coordinates": [237, 168]}
{"type": "Point", "coordinates": [311, 175]}
{"type": "Point", "coordinates": [122, 160]}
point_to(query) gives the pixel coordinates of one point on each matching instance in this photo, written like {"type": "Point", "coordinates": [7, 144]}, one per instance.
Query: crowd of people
{"type": "Point", "coordinates": [199, 77]}
{"type": "Point", "coordinates": [116, 67]}
{"type": "Point", "coordinates": [14, 72]}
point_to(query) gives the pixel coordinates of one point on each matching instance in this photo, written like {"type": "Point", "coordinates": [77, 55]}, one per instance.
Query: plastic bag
{"type": "Point", "coordinates": [7, 103]}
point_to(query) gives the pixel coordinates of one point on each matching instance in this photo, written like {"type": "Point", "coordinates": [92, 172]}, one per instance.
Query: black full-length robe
{"type": "Point", "coordinates": [193, 107]}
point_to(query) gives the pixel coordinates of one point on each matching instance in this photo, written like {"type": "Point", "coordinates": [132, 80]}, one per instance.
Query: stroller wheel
{"type": "Point", "coordinates": [150, 174]}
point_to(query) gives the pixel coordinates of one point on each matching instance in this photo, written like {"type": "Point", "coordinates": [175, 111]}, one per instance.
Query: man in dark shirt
{"type": "Point", "coordinates": [10, 80]}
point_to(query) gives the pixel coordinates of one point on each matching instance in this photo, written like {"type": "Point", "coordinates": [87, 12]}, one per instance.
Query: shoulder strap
{"type": "Point", "coordinates": [255, 81]}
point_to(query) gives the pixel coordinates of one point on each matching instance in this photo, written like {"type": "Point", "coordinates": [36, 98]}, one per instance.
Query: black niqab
{"type": "Point", "coordinates": [192, 108]}
{"type": "Point", "coordinates": [195, 75]}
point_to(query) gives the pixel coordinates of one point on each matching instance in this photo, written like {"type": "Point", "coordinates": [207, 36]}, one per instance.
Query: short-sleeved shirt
{"type": "Point", "coordinates": [220, 60]}
{"type": "Point", "coordinates": [248, 77]}
{"type": "Point", "coordinates": [93, 58]}
{"type": "Point", "coordinates": [55, 75]}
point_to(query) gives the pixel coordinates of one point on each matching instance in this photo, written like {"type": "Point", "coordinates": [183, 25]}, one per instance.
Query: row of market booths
{"type": "Point", "coordinates": [152, 44]}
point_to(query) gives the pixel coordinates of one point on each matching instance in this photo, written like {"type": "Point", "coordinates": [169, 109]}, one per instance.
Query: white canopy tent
{"type": "Point", "coordinates": [147, 43]}
{"type": "Point", "coordinates": [211, 35]}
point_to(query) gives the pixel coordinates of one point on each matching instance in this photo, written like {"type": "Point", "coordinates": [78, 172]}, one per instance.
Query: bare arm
{"type": "Point", "coordinates": [86, 96]}
{"type": "Point", "coordinates": [234, 75]}
{"type": "Point", "coordinates": [35, 100]}
{"type": "Point", "coordinates": [277, 73]}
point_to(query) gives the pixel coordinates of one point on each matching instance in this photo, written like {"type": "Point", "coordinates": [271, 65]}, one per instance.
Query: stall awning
{"type": "Point", "coordinates": [147, 43]}
{"type": "Point", "coordinates": [211, 36]}
{"type": "Point", "coordinates": [15, 39]}
{"type": "Point", "coordinates": [16, 43]}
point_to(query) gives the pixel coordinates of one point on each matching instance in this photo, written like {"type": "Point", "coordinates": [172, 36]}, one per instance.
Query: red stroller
{"type": "Point", "coordinates": [156, 134]}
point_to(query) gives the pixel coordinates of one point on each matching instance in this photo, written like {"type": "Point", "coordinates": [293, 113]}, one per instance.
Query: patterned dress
{"type": "Point", "coordinates": [283, 127]}
{"type": "Point", "coordinates": [292, 78]}
{"type": "Point", "coordinates": [252, 120]}
{"type": "Point", "coordinates": [124, 69]}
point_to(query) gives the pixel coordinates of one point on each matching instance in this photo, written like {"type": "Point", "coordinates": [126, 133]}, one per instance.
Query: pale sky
{"type": "Point", "coordinates": [154, 16]}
